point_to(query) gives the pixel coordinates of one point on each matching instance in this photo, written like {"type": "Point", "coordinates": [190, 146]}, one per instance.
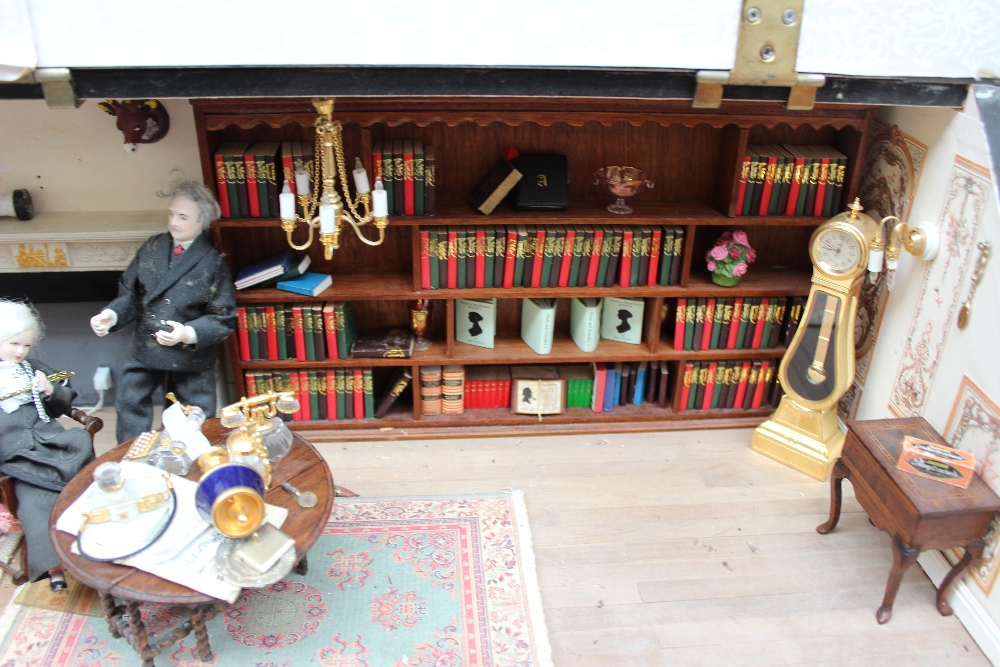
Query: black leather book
{"type": "Point", "coordinates": [544, 185]}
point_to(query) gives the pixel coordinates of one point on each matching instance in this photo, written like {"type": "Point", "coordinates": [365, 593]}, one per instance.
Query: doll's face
{"type": "Point", "coordinates": [16, 348]}
{"type": "Point", "coordinates": [182, 220]}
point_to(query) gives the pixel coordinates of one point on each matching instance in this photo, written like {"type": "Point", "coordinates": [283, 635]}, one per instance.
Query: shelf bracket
{"type": "Point", "coordinates": [57, 85]}
{"type": "Point", "coordinates": [766, 51]}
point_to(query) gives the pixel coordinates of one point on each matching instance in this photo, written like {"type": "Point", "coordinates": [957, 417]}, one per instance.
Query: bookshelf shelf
{"type": "Point", "coordinates": [693, 156]}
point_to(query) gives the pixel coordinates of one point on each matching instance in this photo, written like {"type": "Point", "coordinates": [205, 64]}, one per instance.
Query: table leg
{"type": "Point", "coordinates": [138, 628]}
{"type": "Point", "coordinates": [201, 633]}
{"type": "Point", "coordinates": [973, 554]}
{"type": "Point", "coordinates": [108, 605]}
{"type": "Point", "coordinates": [903, 556]}
{"type": "Point", "coordinates": [837, 476]}
{"type": "Point", "coordinates": [302, 567]}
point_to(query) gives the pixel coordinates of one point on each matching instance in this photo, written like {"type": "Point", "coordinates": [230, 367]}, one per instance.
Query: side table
{"type": "Point", "coordinates": [303, 467]}
{"type": "Point", "coordinates": [918, 513]}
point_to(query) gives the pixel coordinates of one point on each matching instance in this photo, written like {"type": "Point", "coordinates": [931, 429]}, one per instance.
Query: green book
{"type": "Point", "coordinates": [640, 241]}
{"type": "Point", "coordinates": [418, 177]}
{"type": "Point", "coordinates": [666, 256]}
{"type": "Point", "coordinates": [752, 181]}
{"type": "Point", "coordinates": [235, 170]}
{"type": "Point", "coordinates": [500, 255]}
{"type": "Point", "coordinates": [574, 267]}
{"type": "Point", "coordinates": [519, 254]}
{"type": "Point", "coordinates": [675, 265]}
{"type": "Point", "coordinates": [253, 325]}
{"type": "Point", "coordinates": [548, 254]}
{"type": "Point", "coordinates": [313, 395]}
{"type": "Point", "coordinates": [461, 255]}
{"type": "Point", "coordinates": [347, 327]}
{"type": "Point", "coordinates": [307, 332]}
{"type": "Point", "coordinates": [693, 393]}
{"type": "Point", "coordinates": [369, 392]}
{"type": "Point", "coordinates": [340, 378]}
{"type": "Point", "coordinates": [607, 244]}
{"type": "Point", "coordinates": [489, 254]}
{"type": "Point", "coordinates": [719, 307]}
{"type": "Point", "coordinates": [388, 175]}
{"type": "Point", "coordinates": [279, 327]}
{"type": "Point", "coordinates": [689, 320]}
{"type": "Point", "coordinates": [720, 374]}
{"type": "Point", "coordinates": [808, 184]}
{"type": "Point", "coordinates": [748, 309]}
{"type": "Point", "coordinates": [765, 339]}
{"type": "Point", "coordinates": [432, 251]}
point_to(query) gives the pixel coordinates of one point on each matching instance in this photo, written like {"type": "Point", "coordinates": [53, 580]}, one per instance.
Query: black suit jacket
{"type": "Point", "coordinates": [195, 290]}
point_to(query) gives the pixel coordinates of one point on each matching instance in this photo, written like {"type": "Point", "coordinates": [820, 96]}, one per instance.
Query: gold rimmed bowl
{"type": "Point", "coordinates": [621, 183]}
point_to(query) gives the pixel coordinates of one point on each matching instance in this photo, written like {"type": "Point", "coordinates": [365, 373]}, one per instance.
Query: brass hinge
{"type": "Point", "coordinates": [766, 52]}
{"type": "Point", "coordinates": [57, 85]}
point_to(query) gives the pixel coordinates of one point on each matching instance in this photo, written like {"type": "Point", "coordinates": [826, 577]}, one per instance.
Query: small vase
{"type": "Point", "coordinates": [726, 281]}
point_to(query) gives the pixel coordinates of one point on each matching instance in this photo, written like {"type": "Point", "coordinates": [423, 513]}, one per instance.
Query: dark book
{"type": "Point", "coordinates": [529, 255]}
{"type": "Point", "coordinates": [253, 348]}
{"type": "Point", "coordinates": [461, 258]}
{"type": "Point", "coordinates": [470, 257]}
{"type": "Point", "coordinates": [307, 332]}
{"type": "Point", "coordinates": [723, 316]}
{"type": "Point", "coordinates": [815, 164]}
{"type": "Point", "coordinates": [795, 177]}
{"type": "Point", "coordinates": [394, 390]}
{"type": "Point", "coordinates": [690, 313]}
{"type": "Point", "coordinates": [544, 185]}
{"type": "Point", "coordinates": [703, 373]}
{"type": "Point", "coordinates": [521, 252]}
{"type": "Point", "coordinates": [623, 256]}
{"type": "Point", "coordinates": [718, 312]}
{"type": "Point", "coordinates": [409, 190]}
{"type": "Point", "coordinates": [347, 327]}
{"type": "Point", "coordinates": [269, 267]}
{"type": "Point", "coordinates": [675, 266]}
{"type": "Point", "coordinates": [253, 189]}
{"type": "Point", "coordinates": [615, 253]}
{"type": "Point", "coordinates": [388, 175]}
{"type": "Point", "coordinates": [627, 382]}
{"type": "Point", "coordinates": [236, 181]}
{"type": "Point", "coordinates": [297, 269]}
{"type": "Point", "coordinates": [269, 172]}
{"type": "Point", "coordinates": [760, 176]}
{"type": "Point", "coordinates": [699, 324]}
{"type": "Point", "coordinates": [433, 263]}
{"type": "Point", "coordinates": [398, 178]}
{"type": "Point", "coordinates": [368, 392]}
{"type": "Point", "coordinates": [494, 187]}
{"type": "Point", "coordinates": [580, 234]}
{"type": "Point", "coordinates": [290, 350]}
{"type": "Point", "coordinates": [340, 390]}
{"type": "Point", "coordinates": [779, 318]}
{"type": "Point", "coordinates": [706, 334]}
{"type": "Point", "coordinates": [499, 255]}
{"type": "Point", "coordinates": [784, 178]}
{"type": "Point", "coordinates": [489, 252]}
{"type": "Point", "coordinates": [319, 334]}
{"type": "Point", "coordinates": [751, 185]}
{"type": "Point", "coordinates": [280, 336]}
{"type": "Point", "coordinates": [652, 382]}
{"type": "Point", "coordinates": [666, 257]}
{"type": "Point", "coordinates": [316, 406]}
{"type": "Point", "coordinates": [383, 343]}
{"type": "Point", "coordinates": [558, 234]}
{"type": "Point", "coordinates": [586, 251]}
{"type": "Point", "coordinates": [418, 177]}
{"type": "Point", "coordinates": [724, 378]}
{"type": "Point", "coordinates": [348, 394]}
{"type": "Point", "coordinates": [548, 256]}
{"type": "Point", "coordinates": [718, 384]}
{"type": "Point", "coordinates": [751, 389]}
{"type": "Point", "coordinates": [430, 206]}
{"type": "Point", "coordinates": [645, 250]}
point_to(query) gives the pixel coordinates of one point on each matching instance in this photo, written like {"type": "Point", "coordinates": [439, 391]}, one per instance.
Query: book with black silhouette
{"type": "Point", "coordinates": [475, 321]}
{"type": "Point", "coordinates": [621, 319]}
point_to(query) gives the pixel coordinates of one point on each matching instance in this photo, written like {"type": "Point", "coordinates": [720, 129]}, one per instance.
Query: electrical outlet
{"type": "Point", "coordinates": [102, 378]}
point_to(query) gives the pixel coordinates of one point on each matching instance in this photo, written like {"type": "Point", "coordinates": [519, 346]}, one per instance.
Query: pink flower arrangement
{"type": "Point", "coordinates": [730, 255]}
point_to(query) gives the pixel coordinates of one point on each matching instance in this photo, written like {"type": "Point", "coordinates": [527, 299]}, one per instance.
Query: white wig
{"type": "Point", "coordinates": [15, 317]}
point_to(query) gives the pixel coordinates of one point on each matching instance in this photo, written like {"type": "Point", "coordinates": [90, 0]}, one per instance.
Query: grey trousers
{"type": "Point", "coordinates": [136, 384]}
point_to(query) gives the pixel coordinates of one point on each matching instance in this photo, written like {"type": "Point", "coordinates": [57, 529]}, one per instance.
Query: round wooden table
{"type": "Point", "coordinates": [303, 467]}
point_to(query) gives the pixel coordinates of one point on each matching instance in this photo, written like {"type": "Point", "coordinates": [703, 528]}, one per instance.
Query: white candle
{"type": "Point", "coordinates": [302, 182]}
{"type": "Point", "coordinates": [360, 177]}
{"type": "Point", "coordinates": [326, 215]}
{"type": "Point", "coordinates": [286, 202]}
{"type": "Point", "coordinates": [380, 201]}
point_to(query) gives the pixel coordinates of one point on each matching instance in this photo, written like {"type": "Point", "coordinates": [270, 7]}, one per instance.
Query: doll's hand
{"type": "Point", "coordinates": [42, 383]}
{"type": "Point", "coordinates": [178, 333]}
{"type": "Point", "coordinates": [102, 322]}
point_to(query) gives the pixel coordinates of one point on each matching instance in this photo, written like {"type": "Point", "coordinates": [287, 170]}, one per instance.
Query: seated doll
{"type": "Point", "coordinates": [35, 450]}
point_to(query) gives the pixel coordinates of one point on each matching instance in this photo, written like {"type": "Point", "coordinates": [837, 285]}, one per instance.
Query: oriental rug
{"type": "Point", "coordinates": [392, 582]}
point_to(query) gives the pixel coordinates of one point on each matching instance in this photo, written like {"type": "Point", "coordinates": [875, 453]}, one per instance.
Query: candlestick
{"type": "Point", "coordinates": [326, 215]}
{"type": "Point", "coordinates": [380, 201]}
{"type": "Point", "coordinates": [360, 177]}
{"type": "Point", "coordinates": [302, 182]}
{"type": "Point", "coordinates": [286, 202]}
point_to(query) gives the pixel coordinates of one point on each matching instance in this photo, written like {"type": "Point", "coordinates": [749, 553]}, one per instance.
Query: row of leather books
{"type": "Point", "coordinates": [331, 394]}
{"type": "Point", "coordinates": [408, 172]}
{"type": "Point", "coordinates": [783, 179]}
{"type": "Point", "coordinates": [249, 178]}
{"type": "Point", "coordinates": [459, 257]}
{"type": "Point", "coordinates": [307, 331]}
{"type": "Point", "coordinates": [717, 385]}
{"type": "Point", "coordinates": [629, 383]}
{"type": "Point", "coordinates": [736, 323]}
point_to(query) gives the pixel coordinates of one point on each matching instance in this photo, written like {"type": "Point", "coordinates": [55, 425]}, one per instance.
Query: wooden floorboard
{"type": "Point", "coordinates": [679, 548]}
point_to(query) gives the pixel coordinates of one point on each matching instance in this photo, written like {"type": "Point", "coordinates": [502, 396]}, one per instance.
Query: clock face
{"type": "Point", "coordinates": [836, 251]}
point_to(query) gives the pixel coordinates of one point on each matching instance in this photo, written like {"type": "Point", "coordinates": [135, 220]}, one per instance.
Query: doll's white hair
{"type": "Point", "coordinates": [203, 198]}
{"type": "Point", "coordinates": [17, 316]}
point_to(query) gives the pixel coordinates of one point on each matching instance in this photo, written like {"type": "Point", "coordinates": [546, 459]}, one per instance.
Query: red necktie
{"type": "Point", "coordinates": [178, 249]}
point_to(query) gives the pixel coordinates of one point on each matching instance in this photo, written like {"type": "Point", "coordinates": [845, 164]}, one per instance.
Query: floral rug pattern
{"type": "Point", "coordinates": [402, 582]}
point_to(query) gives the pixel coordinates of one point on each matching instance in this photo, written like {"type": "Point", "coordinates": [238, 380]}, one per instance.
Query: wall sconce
{"type": "Point", "coordinates": [921, 240]}
{"type": "Point", "coordinates": [321, 205]}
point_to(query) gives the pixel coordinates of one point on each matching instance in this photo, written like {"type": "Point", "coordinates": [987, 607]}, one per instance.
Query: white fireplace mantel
{"type": "Point", "coordinates": [84, 241]}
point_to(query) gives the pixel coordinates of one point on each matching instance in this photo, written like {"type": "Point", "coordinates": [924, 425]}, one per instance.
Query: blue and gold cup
{"type": "Point", "coordinates": [230, 495]}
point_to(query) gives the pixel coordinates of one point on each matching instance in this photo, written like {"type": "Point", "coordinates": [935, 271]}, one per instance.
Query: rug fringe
{"type": "Point", "coordinates": [543, 648]}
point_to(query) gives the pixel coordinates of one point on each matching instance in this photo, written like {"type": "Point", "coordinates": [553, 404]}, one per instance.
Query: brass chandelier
{"type": "Point", "coordinates": [322, 207]}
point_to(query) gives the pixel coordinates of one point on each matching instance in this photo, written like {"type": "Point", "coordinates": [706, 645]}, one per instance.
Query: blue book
{"type": "Point", "coordinates": [609, 387]}
{"type": "Point", "coordinates": [269, 267]}
{"type": "Point", "coordinates": [308, 284]}
{"type": "Point", "coordinates": [640, 383]}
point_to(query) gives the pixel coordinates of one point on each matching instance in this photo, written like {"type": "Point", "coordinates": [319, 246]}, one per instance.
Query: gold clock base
{"type": "Point", "coordinates": [809, 441]}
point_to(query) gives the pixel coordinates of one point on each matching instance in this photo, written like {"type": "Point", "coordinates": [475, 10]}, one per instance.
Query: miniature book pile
{"type": "Point", "coordinates": [937, 462]}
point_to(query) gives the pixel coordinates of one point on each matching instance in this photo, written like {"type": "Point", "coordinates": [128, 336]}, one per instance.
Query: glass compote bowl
{"type": "Point", "coordinates": [622, 183]}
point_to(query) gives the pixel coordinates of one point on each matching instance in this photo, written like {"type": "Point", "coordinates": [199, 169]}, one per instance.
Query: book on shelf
{"type": "Point", "coordinates": [409, 189]}
{"type": "Point", "coordinates": [544, 185]}
{"type": "Point", "coordinates": [308, 337]}
{"type": "Point", "coordinates": [298, 267]}
{"type": "Point", "coordinates": [614, 247]}
{"type": "Point", "coordinates": [393, 391]}
{"type": "Point", "coordinates": [627, 252]}
{"type": "Point", "coordinates": [663, 378]}
{"type": "Point", "coordinates": [359, 393]}
{"type": "Point", "coordinates": [231, 154]}
{"type": "Point", "coordinates": [751, 162]}
{"type": "Point", "coordinates": [243, 333]}
{"type": "Point", "coordinates": [709, 324]}
{"type": "Point", "coordinates": [690, 313]}
{"type": "Point", "coordinates": [475, 321]}
{"type": "Point", "coordinates": [418, 177]}
{"type": "Point", "coordinates": [537, 390]}
{"type": "Point", "coordinates": [741, 189]}
{"type": "Point", "coordinates": [319, 333]}
{"type": "Point", "coordinates": [388, 172]}
{"type": "Point", "coordinates": [430, 181]}
{"type": "Point", "coordinates": [680, 322]}
{"type": "Point", "coordinates": [538, 318]}
{"type": "Point", "coordinates": [252, 333]}
{"type": "Point", "coordinates": [430, 390]}
{"type": "Point", "coordinates": [398, 178]}
{"type": "Point", "coordinates": [425, 258]}
{"type": "Point", "coordinates": [261, 270]}
{"type": "Point", "coordinates": [641, 277]}
{"type": "Point", "coordinates": [495, 185]}
{"type": "Point", "coordinates": [271, 330]}
{"type": "Point", "coordinates": [487, 387]}
{"type": "Point", "coordinates": [686, 385]}
{"type": "Point", "coordinates": [597, 247]}
{"type": "Point", "coordinates": [675, 265]}
{"type": "Point", "coordinates": [368, 392]}
{"type": "Point", "coordinates": [600, 369]}
{"type": "Point", "coordinates": [221, 186]}
{"type": "Point", "coordinates": [702, 384]}
{"type": "Point", "coordinates": [452, 390]}
{"type": "Point", "coordinates": [500, 255]}
{"type": "Point", "coordinates": [383, 344]}
{"type": "Point", "coordinates": [537, 261]}
{"type": "Point", "coordinates": [710, 375]}
{"type": "Point", "coordinates": [346, 323]}
{"type": "Point", "coordinates": [579, 236]}
{"type": "Point", "coordinates": [253, 194]}
{"type": "Point", "coordinates": [461, 256]}
{"type": "Point", "coordinates": [579, 384]}
{"type": "Point", "coordinates": [621, 319]}
{"type": "Point", "coordinates": [585, 322]}
{"type": "Point", "coordinates": [486, 241]}
{"type": "Point", "coordinates": [451, 255]}
{"type": "Point", "coordinates": [307, 284]}
{"type": "Point", "coordinates": [611, 384]}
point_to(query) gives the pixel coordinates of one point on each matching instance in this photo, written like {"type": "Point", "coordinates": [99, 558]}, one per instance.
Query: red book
{"type": "Point", "coordinates": [272, 333]}
{"type": "Point", "coordinates": [250, 162]}
{"type": "Point", "coordinates": [567, 259]}
{"type": "Point", "coordinates": [706, 332]}
{"type": "Point", "coordinates": [595, 256]}
{"type": "Point", "coordinates": [654, 257]}
{"type": "Point", "coordinates": [679, 323]}
{"type": "Point", "coordinates": [706, 402]}
{"type": "Point", "coordinates": [761, 388]}
{"type": "Point", "coordinates": [359, 394]}
{"type": "Point", "coordinates": [742, 192]}
{"type": "Point", "coordinates": [795, 185]}
{"type": "Point", "coordinates": [303, 394]}
{"type": "Point", "coordinates": [824, 173]}
{"type": "Point", "coordinates": [330, 328]}
{"type": "Point", "coordinates": [288, 166]}
{"type": "Point", "coordinates": [408, 201]}
{"type": "Point", "coordinates": [741, 387]}
{"type": "Point", "coordinates": [298, 333]}
{"type": "Point", "coordinates": [686, 385]}
{"type": "Point", "coordinates": [377, 162]}
{"type": "Point", "coordinates": [758, 326]}
{"type": "Point", "coordinates": [768, 185]}
{"type": "Point", "coordinates": [734, 327]}
{"type": "Point", "coordinates": [221, 188]}
{"type": "Point", "coordinates": [625, 263]}
{"type": "Point", "coordinates": [600, 377]}
{"type": "Point", "coordinates": [331, 395]}
{"type": "Point", "coordinates": [536, 266]}
{"type": "Point", "coordinates": [452, 257]}
{"type": "Point", "coordinates": [508, 264]}
{"type": "Point", "coordinates": [243, 334]}
{"type": "Point", "coordinates": [425, 259]}
{"type": "Point", "coordinates": [480, 258]}
{"type": "Point", "coordinates": [250, 380]}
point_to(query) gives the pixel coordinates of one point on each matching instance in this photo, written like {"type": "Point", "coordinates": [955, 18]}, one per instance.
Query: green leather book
{"type": "Point", "coordinates": [434, 263]}
{"type": "Point", "coordinates": [461, 254]}
{"type": "Point", "coordinates": [307, 332]}
{"type": "Point", "coordinates": [521, 252]}
{"type": "Point", "coordinates": [666, 256]}
{"type": "Point", "coordinates": [418, 178]}
{"type": "Point", "coordinates": [347, 327]}
{"type": "Point", "coordinates": [340, 375]}
{"type": "Point", "coordinates": [538, 318]}
{"type": "Point", "coordinates": [368, 388]}
{"type": "Point", "coordinates": [279, 327]}
{"type": "Point", "coordinates": [574, 267]}
{"type": "Point", "coordinates": [548, 256]}
{"type": "Point", "coordinates": [489, 251]}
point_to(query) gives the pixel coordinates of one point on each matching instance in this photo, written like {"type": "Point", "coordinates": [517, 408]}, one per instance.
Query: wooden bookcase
{"type": "Point", "coordinates": [693, 157]}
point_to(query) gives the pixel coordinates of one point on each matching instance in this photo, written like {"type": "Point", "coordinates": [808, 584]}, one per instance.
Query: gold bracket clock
{"type": "Point", "coordinates": [818, 366]}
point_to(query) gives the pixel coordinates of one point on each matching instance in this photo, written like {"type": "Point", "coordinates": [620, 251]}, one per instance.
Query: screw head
{"type": "Point", "coordinates": [767, 53]}
{"type": "Point", "coordinates": [752, 15]}
{"type": "Point", "coordinates": [789, 16]}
